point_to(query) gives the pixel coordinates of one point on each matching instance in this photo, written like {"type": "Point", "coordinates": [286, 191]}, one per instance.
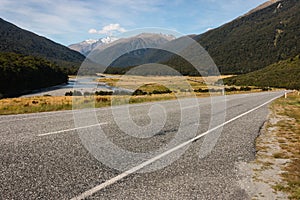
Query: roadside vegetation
{"type": "Point", "coordinates": [279, 148]}
{"type": "Point", "coordinates": [288, 132]}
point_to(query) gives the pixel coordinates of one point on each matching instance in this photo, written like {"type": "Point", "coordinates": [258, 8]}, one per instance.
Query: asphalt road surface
{"type": "Point", "coordinates": [167, 150]}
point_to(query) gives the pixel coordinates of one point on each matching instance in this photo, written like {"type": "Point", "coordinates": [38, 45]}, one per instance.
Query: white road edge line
{"type": "Point", "coordinates": [71, 129]}
{"type": "Point", "coordinates": [148, 162]}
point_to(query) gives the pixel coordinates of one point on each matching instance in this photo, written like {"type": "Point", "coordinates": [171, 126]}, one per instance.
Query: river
{"type": "Point", "coordinates": [82, 84]}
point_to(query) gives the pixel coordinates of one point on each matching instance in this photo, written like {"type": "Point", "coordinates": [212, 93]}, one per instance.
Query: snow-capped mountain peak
{"type": "Point", "coordinates": [90, 41]}
{"type": "Point", "coordinates": [108, 39]}
{"type": "Point", "coordinates": [87, 46]}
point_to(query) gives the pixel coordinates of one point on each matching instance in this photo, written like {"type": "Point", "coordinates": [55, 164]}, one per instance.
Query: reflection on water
{"type": "Point", "coordinates": [83, 84]}
{"type": "Point", "coordinates": [90, 82]}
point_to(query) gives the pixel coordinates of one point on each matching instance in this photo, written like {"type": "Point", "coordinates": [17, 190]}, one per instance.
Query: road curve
{"type": "Point", "coordinates": [45, 155]}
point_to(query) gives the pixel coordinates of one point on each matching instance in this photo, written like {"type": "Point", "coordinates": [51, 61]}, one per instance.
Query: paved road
{"type": "Point", "coordinates": [49, 156]}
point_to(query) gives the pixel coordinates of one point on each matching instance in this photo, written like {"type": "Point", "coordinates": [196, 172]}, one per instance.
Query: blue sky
{"type": "Point", "coordinates": [72, 21]}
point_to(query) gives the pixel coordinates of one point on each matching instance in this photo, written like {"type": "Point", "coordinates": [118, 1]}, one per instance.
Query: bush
{"type": "Point", "coordinates": [101, 99]}
{"type": "Point", "coordinates": [75, 93]}
{"type": "Point", "coordinates": [266, 89]}
{"type": "Point", "coordinates": [34, 102]}
{"type": "Point", "coordinates": [69, 93]}
{"type": "Point", "coordinates": [139, 92]}
{"type": "Point", "coordinates": [245, 88]}
{"type": "Point", "coordinates": [231, 89]}
{"type": "Point", "coordinates": [201, 90]}
{"type": "Point", "coordinates": [167, 91]}
{"type": "Point", "coordinates": [103, 93]}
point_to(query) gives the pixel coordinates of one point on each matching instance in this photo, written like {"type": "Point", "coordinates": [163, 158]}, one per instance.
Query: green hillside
{"type": "Point", "coordinates": [17, 40]}
{"type": "Point", "coordinates": [284, 74]}
{"type": "Point", "coordinates": [20, 74]}
{"type": "Point", "coordinates": [253, 41]}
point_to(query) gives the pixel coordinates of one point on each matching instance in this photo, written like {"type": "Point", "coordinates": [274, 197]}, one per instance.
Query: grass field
{"type": "Point", "coordinates": [153, 87]}
{"type": "Point", "coordinates": [288, 133]}
{"type": "Point", "coordinates": [51, 103]}
{"type": "Point", "coordinates": [174, 83]}
{"type": "Point", "coordinates": [279, 147]}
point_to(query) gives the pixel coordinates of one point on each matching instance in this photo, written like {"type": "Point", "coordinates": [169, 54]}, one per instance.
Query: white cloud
{"type": "Point", "coordinates": [93, 31]}
{"type": "Point", "coordinates": [109, 29]}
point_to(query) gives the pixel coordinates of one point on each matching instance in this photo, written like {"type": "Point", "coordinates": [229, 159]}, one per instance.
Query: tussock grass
{"type": "Point", "coordinates": [34, 104]}
{"type": "Point", "coordinates": [171, 82]}
{"type": "Point", "coordinates": [288, 133]}
{"type": "Point", "coordinates": [51, 103]}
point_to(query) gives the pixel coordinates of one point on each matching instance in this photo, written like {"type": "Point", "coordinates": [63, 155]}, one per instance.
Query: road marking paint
{"type": "Point", "coordinates": [71, 129]}
{"type": "Point", "coordinates": [46, 115]}
{"type": "Point", "coordinates": [150, 161]}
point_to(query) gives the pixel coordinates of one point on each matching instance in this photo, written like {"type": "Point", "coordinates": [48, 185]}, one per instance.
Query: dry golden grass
{"type": "Point", "coordinates": [288, 136]}
{"type": "Point", "coordinates": [174, 83]}
{"type": "Point", "coordinates": [34, 104]}
{"type": "Point", "coordinates": [128, 80]}
{"type": "Point", "coordinates": [51, 103]}
{"type": "Point", "coordinates": [180, 85]}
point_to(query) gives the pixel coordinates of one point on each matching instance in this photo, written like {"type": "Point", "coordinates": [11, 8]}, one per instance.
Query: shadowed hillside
{"type": "Point", "coordinates": [17, 40]}
{"type": "Point", "coordinates": [21, 74]}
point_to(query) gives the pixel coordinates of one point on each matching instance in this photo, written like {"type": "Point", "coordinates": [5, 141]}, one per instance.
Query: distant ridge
{"type": "Point", "coordinates": [123, 49]}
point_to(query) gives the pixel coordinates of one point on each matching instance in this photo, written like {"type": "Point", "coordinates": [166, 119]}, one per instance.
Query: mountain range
{"type": "Point", "coordinates": [85, 47]}
{"type": "Point", "coordinates": [263, 36]}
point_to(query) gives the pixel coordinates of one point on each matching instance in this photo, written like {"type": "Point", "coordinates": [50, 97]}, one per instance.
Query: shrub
{"type": "Point", "coordinates": [231, 89]}
{"type": "Point", "coordinates": [34, 102]}
{"type": "Point", "coordinates": [167, 91]}
{"type": "Point", "coordinates": [245, 88]}
{"type": "Point", "coordinates": [69, 93]}
{"type": "Point", "coordinates": [266, 89]}
{"type": "Point", "coordinates": [101, 99]}
{"type": "Point", "coordinates": [139, 92]}
{"type": "Point", "coordinates": [103, 93]}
